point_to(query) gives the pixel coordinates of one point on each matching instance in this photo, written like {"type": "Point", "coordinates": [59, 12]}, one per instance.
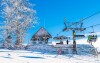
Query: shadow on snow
{"type": "Point", "coordinates": [32, 57]}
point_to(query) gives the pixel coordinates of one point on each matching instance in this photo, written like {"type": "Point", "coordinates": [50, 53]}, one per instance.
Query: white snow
{"type": "Point", "coordinates": [49, 54]}
{"type": "Point", "coordinates": [95, 44]}
{"type": "Point", "coordinates": [22, 56]}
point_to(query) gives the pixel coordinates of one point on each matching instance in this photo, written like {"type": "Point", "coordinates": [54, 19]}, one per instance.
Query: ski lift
{"type": "Point", "coordinates": [92, 37]}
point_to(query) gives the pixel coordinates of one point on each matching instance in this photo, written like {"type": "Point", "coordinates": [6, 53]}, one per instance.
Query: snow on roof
{"type": "Point", "coordinates": [42, 32]}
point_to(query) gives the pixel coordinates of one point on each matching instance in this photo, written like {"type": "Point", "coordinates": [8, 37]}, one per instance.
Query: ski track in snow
{"type": "Point", "coordinates": [21, 56]}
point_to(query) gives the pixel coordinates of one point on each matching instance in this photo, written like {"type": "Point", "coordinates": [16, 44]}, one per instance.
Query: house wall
{"type": "Point", "coordinates": [41, 41]}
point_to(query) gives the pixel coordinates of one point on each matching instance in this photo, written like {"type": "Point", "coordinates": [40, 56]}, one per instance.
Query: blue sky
{"type": "Point", "coordinates": [53, 12]}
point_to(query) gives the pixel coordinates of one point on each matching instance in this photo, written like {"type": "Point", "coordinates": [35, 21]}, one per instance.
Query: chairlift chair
{"type": "Point", "coordinates": [92, 37]}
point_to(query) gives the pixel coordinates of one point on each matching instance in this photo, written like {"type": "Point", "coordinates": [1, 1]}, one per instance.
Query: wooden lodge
{"type": "Point", "coordinates": [41, 36]}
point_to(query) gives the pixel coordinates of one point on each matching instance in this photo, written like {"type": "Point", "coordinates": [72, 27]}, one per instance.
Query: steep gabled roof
{"type": "Point", "coordinates": [42, 32]}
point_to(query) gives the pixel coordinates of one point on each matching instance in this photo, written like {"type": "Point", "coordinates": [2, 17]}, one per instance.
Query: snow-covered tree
{"type": "Point", "coordinates": [19, 16]}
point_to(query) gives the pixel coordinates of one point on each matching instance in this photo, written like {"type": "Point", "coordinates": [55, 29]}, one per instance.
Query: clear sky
{"type": "Point", "coordinates": [52, 14]}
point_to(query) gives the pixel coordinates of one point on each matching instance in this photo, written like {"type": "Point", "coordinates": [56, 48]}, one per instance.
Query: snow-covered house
{"type": "Point", "coordinates": [41, 36]}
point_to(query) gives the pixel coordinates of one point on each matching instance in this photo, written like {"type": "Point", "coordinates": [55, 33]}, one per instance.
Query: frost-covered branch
{"type": "Point", "coordinates": [19, 16]}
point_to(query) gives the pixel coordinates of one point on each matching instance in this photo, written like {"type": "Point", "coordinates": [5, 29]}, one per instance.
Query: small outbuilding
{"type": "Point", "coordinates": [41, 36]}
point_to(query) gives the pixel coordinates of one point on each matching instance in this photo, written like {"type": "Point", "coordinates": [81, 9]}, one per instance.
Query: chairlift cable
{"type": "Point", "coordinates": [93, 29]}
{"type": "Point", "coordinates": [90, 16]}
{"type": "Point", "coordinates": [93, 26]}
{"type": "Point", "coordinates": [58, 33]}
{"type": "Point", "coordinates": [86, 18]}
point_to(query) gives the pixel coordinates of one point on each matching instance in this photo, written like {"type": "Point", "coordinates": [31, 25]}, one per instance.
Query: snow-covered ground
{"type": "Point", "coordinates": [22, 56]}
{"type": "Point", "coordinates": [83, 41]}
{"type": "Point", "coordinates": [49, 54]}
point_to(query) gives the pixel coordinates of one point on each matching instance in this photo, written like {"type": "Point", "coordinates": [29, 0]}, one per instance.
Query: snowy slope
{"type": "Point", "coordinates": [95, 44]}
{"type": "Point", "coordinates": [21, 56]}
{"type": "Point", "coordinates": [48, 54]}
